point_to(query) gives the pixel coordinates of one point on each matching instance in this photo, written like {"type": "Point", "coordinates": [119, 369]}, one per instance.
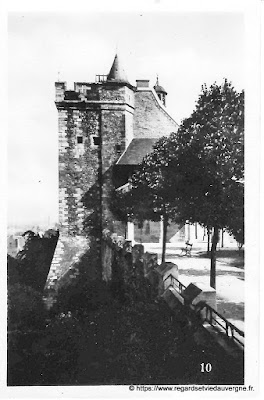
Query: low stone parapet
{"type": "Point", "coordinates": [198, 292]}
{"type": "Point", "coordinates": [207, 294]}
{"type": "Point", "coordinates": [165, 270]}
{"type": "Point", "coordinates": [150, 262]}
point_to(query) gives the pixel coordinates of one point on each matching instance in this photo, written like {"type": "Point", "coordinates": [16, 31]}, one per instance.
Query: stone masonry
{"type": "Point", "coordinates": [97, 121]}
{"type": "Point", "coordinates": [92, 135]}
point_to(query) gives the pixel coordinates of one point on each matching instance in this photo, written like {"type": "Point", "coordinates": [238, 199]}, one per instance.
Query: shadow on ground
{"type": "Point", "coordinates": [231, 309]}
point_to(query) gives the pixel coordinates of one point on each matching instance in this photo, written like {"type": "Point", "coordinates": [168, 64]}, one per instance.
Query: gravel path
{"type": "Point", "coordinates": [229, 277]}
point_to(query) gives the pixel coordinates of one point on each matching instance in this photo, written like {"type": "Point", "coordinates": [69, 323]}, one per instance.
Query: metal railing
{"type": "Point", "coordinates": [213, 317]}
{"type": "Point", "coordinates": [100, 78]}
{"type": "Point", "coordinates": [176, 284]}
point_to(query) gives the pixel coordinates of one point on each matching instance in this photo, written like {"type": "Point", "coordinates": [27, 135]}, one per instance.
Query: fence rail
{"type": "Point", "coordinates": [211, 315]}
{"type": "Point", "coordinates": [231, 331]}
{"type": "Point", "coordinates": [174, 282]}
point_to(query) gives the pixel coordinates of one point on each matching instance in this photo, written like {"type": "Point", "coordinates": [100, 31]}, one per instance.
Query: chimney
{"type": "Point", "coordinates": [142, 83]}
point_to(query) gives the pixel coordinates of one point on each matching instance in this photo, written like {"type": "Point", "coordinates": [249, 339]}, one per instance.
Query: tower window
{"type": "Point", "coordinates": [79, 139]}
{"type": "Point", "coordinates": [95, 141]}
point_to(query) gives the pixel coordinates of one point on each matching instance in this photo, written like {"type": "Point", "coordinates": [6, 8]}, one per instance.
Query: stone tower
{"type": "Point", "coordinates": [106, 127]}
{"type": "Point", "coordinates": [95, 125]}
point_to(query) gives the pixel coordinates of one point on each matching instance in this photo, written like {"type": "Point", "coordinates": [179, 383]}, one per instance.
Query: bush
{"type": "Point", "coordinates": [82, 297]}
{"type": "Point", "coordinates": [25, 308]}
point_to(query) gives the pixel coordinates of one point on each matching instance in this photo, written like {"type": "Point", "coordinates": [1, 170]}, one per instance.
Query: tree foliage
{"type": "Point", "coordinates": [25, 308]}
{"type": "Point", "coordinates": [236, 222]}
{"type": "Point", "coordinates": [151, 194]}
{"type": "Point", "coordinates": [197, 174]}
{"type": "Point", "coordinates": [207, 155]}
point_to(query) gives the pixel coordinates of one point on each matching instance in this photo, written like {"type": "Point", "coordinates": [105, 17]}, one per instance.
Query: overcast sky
{"type": "Point", "coordinates": [184, 49]}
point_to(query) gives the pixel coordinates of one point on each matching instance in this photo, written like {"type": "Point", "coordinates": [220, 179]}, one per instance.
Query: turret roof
{"type": "Point", "coordinates": [117, 72]}
{"type": "Point", "coordinates": [159, 88]}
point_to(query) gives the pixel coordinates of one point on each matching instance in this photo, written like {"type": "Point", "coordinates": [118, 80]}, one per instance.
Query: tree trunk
{"type": "Point", "coordinates": [213, 257]}
{"type": "Point", "coordinates": [240, 245]}
{"type": "Point", "coordinates": [189, 232]}
{"type": "Point", "coordinates": [204, 234]}
{"type": "Point", "coordinates": [164, 238]}
{"type": "Point", "coordinates": [208, 240]}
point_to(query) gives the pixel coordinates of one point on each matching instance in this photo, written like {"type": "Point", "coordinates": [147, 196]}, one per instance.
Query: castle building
{"type": "Point", "coordinates": [106, 127]}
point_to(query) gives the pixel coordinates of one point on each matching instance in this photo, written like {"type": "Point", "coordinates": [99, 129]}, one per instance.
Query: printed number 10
{"type": "Point", "coordinates": [206, 367]}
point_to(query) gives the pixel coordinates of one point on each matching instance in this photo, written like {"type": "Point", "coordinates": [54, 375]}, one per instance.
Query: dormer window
{"type": "Point", "coordinates": [118, 148]}
{"type": "Point", "coordinates": [79, 139]}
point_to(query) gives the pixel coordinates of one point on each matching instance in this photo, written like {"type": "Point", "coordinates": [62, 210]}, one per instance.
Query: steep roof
{"type": "Point", "coordinates": [117, 72]}
{"type": "Point", "coordinates": [136, 151]}
{"type": "Point", "coordinates": [151, 119]}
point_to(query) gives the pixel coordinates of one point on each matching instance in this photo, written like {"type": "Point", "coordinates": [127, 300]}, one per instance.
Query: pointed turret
{"type": "Point", "coordinates": [161, 92]}
{"type": "Point", "coordinates": [117, 72]}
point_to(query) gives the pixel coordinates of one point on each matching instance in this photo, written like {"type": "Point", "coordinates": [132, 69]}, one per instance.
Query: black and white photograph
{"type": "Point", "coordinates": [132, 229]}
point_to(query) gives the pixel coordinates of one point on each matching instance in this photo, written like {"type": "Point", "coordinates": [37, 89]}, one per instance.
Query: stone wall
{"type": "Point", "coordinates": [68, 254]}
{"type": "Point", "coordinates": [119, 257]}
{"type": "Point", "coordinates": [113, 144]}
{"type": "Point", "coordinates": [78, 168]}
{"type": "Point", "coordinates": [95, 123]}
